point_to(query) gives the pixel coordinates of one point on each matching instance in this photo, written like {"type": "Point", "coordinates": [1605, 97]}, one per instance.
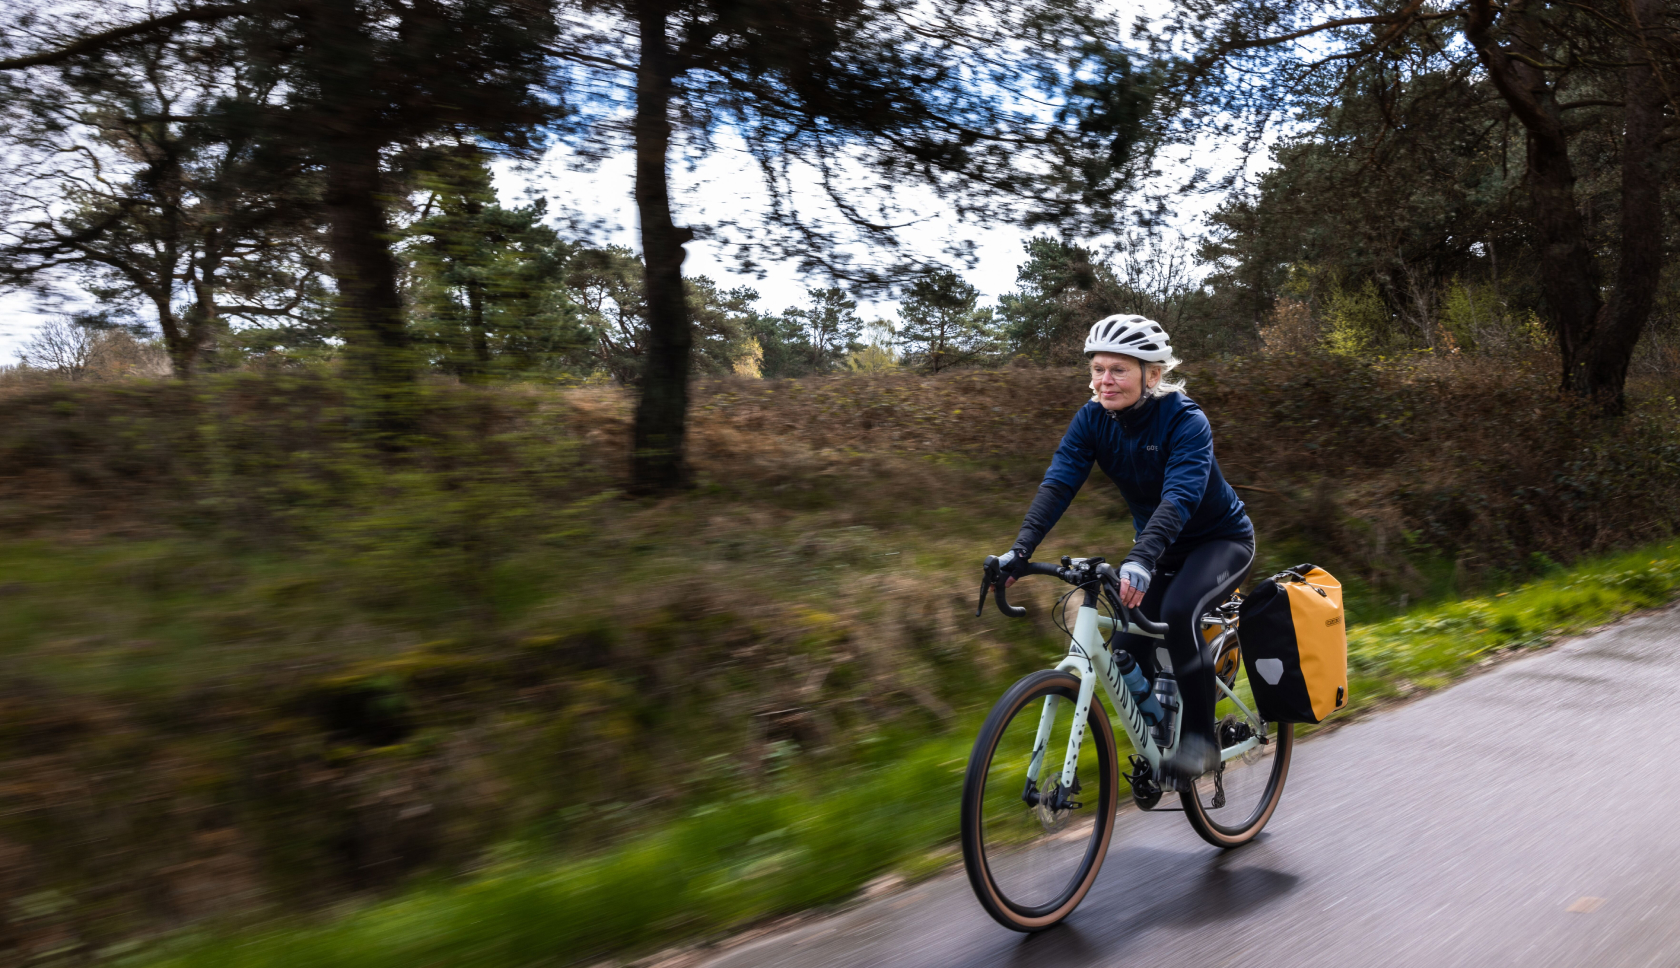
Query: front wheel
{"type": "Point", "coordinates": [1031, 846]}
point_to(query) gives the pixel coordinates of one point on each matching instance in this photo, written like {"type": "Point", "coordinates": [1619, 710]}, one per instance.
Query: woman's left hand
{"type": "Point", "coordinates": [1129, 596]}
{"type": "Point", "coordinates": [1134, 581]}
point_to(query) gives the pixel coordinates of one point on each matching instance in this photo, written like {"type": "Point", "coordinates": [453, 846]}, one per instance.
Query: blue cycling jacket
{"type": "Point", "coordinates": [1160, 455]}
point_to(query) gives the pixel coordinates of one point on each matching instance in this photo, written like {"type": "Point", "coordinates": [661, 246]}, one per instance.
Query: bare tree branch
{"type": "Point", "coordinates": [105, 40]}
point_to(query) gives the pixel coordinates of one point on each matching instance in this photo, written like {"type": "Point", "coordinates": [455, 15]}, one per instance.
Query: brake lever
{"type": "Point", "coordinates": [1128, 615]}
{"type": "Point", "coordinates": [1120, 610]}
{"type": "Point", "coordinates": [988, 578]}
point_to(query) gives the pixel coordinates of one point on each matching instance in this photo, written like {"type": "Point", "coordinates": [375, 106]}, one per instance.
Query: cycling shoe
{"type": "Point", "coordinates": [1195, 756]}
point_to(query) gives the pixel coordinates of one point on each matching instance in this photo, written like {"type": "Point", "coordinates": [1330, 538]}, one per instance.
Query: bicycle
{"type": "Point", "coordinates": [1033, 842]}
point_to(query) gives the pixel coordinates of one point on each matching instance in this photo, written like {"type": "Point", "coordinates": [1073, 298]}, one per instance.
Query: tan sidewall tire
{"type": "Point", "coordinates": [1028, 690]}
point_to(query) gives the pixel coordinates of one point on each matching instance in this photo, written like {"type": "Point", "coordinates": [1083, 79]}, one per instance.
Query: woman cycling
{"type": "Point", "coordinates": [1194, 543]}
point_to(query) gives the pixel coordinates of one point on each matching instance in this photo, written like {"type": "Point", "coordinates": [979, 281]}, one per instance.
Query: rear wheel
{"type": "Point", "coordinates": [1032, 848]}
{"type": "Point", "coordinates": [1230, 805]}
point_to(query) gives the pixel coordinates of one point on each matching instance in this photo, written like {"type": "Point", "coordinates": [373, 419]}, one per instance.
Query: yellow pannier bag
{"type": "Point", "coordinates": [1294, 645]}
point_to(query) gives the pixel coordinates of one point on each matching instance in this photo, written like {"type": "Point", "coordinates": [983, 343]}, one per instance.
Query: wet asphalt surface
{"type": "Point", "coordinates": [1528, 816]}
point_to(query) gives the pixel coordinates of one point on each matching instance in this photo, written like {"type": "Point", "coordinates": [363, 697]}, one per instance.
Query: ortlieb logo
{"type": "Point", "coordinates": [1333, 620]}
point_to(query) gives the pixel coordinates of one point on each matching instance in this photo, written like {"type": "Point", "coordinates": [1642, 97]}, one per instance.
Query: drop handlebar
{"type": "Point", "coordinates": [1081, 574]}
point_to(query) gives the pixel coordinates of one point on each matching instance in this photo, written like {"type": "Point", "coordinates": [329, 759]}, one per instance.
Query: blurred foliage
{"type": "Point", "coordinates": [876, 357]}
{"type": "Point", "coordinates": [1429, 648]}
{"type": "Point", "coordinates": [488, 283]}
{"type": "Point", "coordinates": [1358, 321]}
{"type": "Point", "coordinates": [803, 841]}
{"type": "Point", "coordinates": [335, 116]}
{"type": "Point", "coordinates": [829, 327]}
{"type": "Point", "coordinates": [498, 295]}
{"type": "Point", "coordinates": [1064, 288]}
{"type": "Point", "coordinates": [808, 840]}
{"type": "Point", "coordinates": [182, 222]}
{"type": "Point", "coordinates": [275, 641]}
{"type": "Point", "coordinates": [255, 664]}
{"type": "Point", "coordinates": [1412, 213]}
{"type": "Point", "coordinates": [333, 668]}
{"type": "Point", "coordinates": [1447, 230]}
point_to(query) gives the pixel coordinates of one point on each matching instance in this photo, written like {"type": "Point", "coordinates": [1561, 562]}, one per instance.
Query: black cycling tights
{"type": "Point", "coordinates": [1185, 587]}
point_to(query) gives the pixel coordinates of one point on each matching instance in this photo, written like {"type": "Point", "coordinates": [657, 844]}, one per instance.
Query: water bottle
{"type": "Point", "coordinates": [1138, 685]}
{"type": "Point", "coordinates": [1166, 693]}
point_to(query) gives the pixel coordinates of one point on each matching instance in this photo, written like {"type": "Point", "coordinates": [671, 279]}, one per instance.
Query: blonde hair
{"type": "Point", "coordinates": [1162, 387]}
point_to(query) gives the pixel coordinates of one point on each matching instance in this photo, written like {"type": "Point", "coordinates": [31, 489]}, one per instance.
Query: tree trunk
{"type": "Point", "coordinates": [183, 352]}
{"type": "Point", "coordinates": [202, 314]}
{"type": "Point", "coordinates": [657, 461]}
{"type": "Point", "coordinates": [369, 303]}
{"type": "Point", "coordinates": [1595, 340]}
{"type": "Point", "coordinates": [1567, 278]}
{"type": "Point", "coordinates": [480, 337]}
{"type": "Point", "coordinates": [1600, 370]}
{"type": "Point", "coordinates": [158, 283]}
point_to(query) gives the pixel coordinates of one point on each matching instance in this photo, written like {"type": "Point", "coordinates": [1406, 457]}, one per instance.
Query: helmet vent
{"type": "Point", "coordinates": [1130, 335]}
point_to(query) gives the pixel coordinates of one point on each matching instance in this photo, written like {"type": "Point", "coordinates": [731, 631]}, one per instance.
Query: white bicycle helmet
{"type": "Point", "coordinates": [1132, 336]}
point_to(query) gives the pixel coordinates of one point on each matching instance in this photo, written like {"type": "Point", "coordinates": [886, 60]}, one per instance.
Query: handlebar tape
{"type": "Point", "coordinates": [1131, 615]}
{"type": "Point", "coordinates": [1135, 616]}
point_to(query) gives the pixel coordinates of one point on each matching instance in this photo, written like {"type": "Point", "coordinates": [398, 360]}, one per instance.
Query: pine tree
{"type": "Point", "coordinates": [363, 90]}
{"type": "Point", "coordinates": [489, 284]}
{"type": "Point", "coordinates": [942, 323]}
{"type": "Point", "coordinates": [830, 326]}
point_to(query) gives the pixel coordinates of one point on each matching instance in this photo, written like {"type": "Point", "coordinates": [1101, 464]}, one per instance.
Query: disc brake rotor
{"type": "Point", "coordinates": [1232, 731]}
{"type": "Point", "coordinates": [1050, 818]}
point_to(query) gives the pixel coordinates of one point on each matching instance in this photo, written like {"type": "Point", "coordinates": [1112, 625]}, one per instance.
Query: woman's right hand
{"type": "Point", "coordinates": [1011, 565]}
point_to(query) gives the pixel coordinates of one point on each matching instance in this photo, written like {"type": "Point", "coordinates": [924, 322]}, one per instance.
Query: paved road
{"type": "Point", "coordinates": [1461, 829]}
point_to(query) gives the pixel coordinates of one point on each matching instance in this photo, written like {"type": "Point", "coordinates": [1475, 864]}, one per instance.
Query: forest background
{"type": "Point", "coordinates": [372, 534]}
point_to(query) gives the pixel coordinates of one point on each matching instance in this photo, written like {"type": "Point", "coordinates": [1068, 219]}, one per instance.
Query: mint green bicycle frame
{"type": "Point", "coordinates": [1091, 660]}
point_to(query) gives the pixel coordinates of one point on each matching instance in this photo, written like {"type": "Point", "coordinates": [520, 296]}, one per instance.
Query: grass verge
{"type": "Point", "coordinates": [726, 864]}
{"type": "Point", "coordinates": [1429, 647]}
{"type": "Point", "coordinates": [817, 840]}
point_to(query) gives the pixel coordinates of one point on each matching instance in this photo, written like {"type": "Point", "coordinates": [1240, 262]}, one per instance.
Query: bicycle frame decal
{"type": "Point", "coordinates": [1091, 662]}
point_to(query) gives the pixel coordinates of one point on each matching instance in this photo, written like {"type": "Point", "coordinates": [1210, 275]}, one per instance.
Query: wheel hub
{"type": "Point", "coordinates": [1055, 805]}
{"type": "Point", "coordinates": [1233, 731]}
